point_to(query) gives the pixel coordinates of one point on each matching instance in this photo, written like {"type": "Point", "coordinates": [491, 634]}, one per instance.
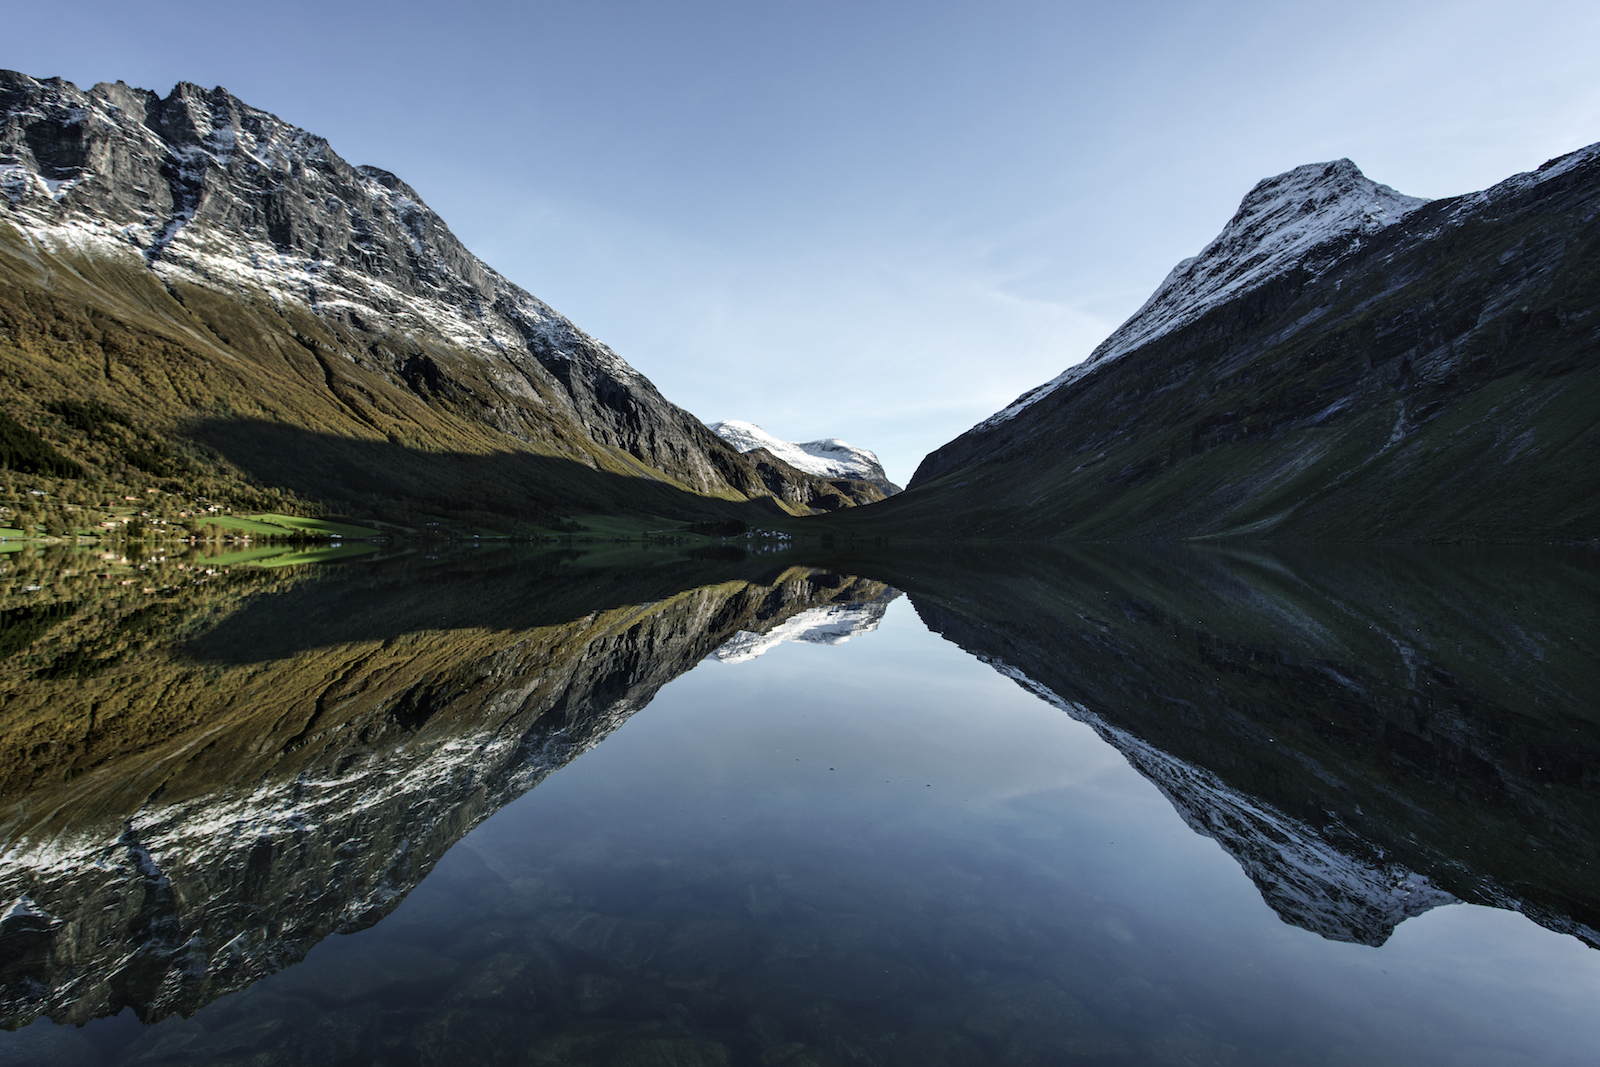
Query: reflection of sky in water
{"type": "Point", "coordinates": [881, 852]}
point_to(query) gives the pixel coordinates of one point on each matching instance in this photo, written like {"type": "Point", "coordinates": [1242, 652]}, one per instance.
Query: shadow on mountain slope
{"type": "Point", "coordinates": [387, 478]}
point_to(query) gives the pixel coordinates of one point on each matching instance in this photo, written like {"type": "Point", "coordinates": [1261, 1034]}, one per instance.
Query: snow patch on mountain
{"type": "Point", "coordinates": [1279, 225]}
{"type": "Point", "coordinates": [1470, 205]}
{"type": "Point", "coordinates": [828, 457]}
{"type": "Point", "coordinates": [374, 252]}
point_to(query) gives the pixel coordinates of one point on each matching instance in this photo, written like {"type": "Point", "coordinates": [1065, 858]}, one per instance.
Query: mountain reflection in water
{"type": "Point", "coordinates": [204, 781]}
{"type": "Point", "coordinates": [1371, 733]}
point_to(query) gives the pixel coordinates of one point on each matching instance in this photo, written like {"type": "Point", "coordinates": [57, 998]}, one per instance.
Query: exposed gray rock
{"type": "Point", "coordinates": [206, 191]}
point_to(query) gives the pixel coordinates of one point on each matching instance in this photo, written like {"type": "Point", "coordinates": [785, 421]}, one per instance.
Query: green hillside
{"type": "Point", "coordinates": [127, 392]}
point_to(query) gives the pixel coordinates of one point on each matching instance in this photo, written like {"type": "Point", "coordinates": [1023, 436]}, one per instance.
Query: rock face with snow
{"type": "Point", "coordinates": [1306, 218]}
{"type": "Point", "coordinates": [1341, 363]}
{"type": "Point", "coordinates": [827, 457]}
{"type": "Point", "coordinates": [334, 299]}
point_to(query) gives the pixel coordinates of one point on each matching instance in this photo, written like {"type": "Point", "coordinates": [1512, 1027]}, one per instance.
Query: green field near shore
{"type": "Point", "coordinates": [269, 525]}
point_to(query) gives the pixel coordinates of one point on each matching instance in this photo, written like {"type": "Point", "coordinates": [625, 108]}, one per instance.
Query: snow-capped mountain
{"type": "Point", "coordinates": [1341, 363]}
{"type": "Point", "coordinates": [206, 190]}
{"type": "Point", "coordinates": [347, 305]}
{"type": "Point", "coordinates": [1305, 218]}
{"type": "Point", "coordinates": [828, 457]}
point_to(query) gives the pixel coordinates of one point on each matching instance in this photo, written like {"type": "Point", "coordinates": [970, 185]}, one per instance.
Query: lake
{"type": "Point", "coordinates": [879, 808]}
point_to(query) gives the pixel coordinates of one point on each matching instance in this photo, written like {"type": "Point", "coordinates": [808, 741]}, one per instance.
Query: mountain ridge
{"type": "Point", "coordinates": [827, 457]}
{"type": "Point", "coordinates": [1279, 221]}
{"type": "Point", "coordinates": [200, 220]}
{"type": "Point", "coordinates": [1426, 378]}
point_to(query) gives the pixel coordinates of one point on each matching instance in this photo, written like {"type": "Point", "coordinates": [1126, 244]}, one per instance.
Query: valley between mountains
{"type": "Point", "coordinates": [615, 795]}
{"type": "Point", "coordinates": [206, 310]}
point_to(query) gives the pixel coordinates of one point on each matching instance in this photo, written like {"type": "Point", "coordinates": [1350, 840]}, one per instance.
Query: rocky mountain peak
{"type": "Point", "coordinates": [1308, 204]}
{"type": "Point", "coordinates": [1306, 218]}
{"type": "Point", "coordinates": [205, 191]}
{"type": "Point", "coordinates": [826, 457]}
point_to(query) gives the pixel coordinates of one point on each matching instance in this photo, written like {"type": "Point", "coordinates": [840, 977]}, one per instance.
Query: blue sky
{"type": "Point", "coordinates": [876, 221]}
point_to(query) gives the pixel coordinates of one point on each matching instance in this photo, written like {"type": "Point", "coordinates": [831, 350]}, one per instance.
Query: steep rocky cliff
{"type": "Point", "coordinates": [229, 284]}
{"type": "Point", "coordinates": [1342, 363]}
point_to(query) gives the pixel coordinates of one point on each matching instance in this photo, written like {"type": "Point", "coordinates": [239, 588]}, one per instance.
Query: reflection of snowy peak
{"type": "Point", "coordinates": [162, 880]}
{"type": "Point", "coordinates": [833, 624]}
{"type": "Point", "coordinates": [1305, 878]}
{"type": "Point", "coordinates": [205, 894]}
{"type": "Point", "coordinates": [828, 457]}
{"type": "Point", "coordinates": [1307, 217]}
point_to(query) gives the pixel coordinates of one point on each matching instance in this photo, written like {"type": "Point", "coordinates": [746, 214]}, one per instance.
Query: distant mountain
{"type": "Point", "coordinates": [1341, 363]}
{"type": "Point", "coordinates": [193, 290]}
{"type": "Point", "coordinates": [828, 457]}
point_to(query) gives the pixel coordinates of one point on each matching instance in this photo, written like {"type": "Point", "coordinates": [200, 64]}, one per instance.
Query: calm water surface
{"type": "Point", "coordinates": [886, 851]}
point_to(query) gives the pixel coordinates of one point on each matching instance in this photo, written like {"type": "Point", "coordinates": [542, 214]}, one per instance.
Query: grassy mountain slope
{"type": "Point", "coordinates": [149, 385]}
{"type": "Point", "coordinates": [178, 273]}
